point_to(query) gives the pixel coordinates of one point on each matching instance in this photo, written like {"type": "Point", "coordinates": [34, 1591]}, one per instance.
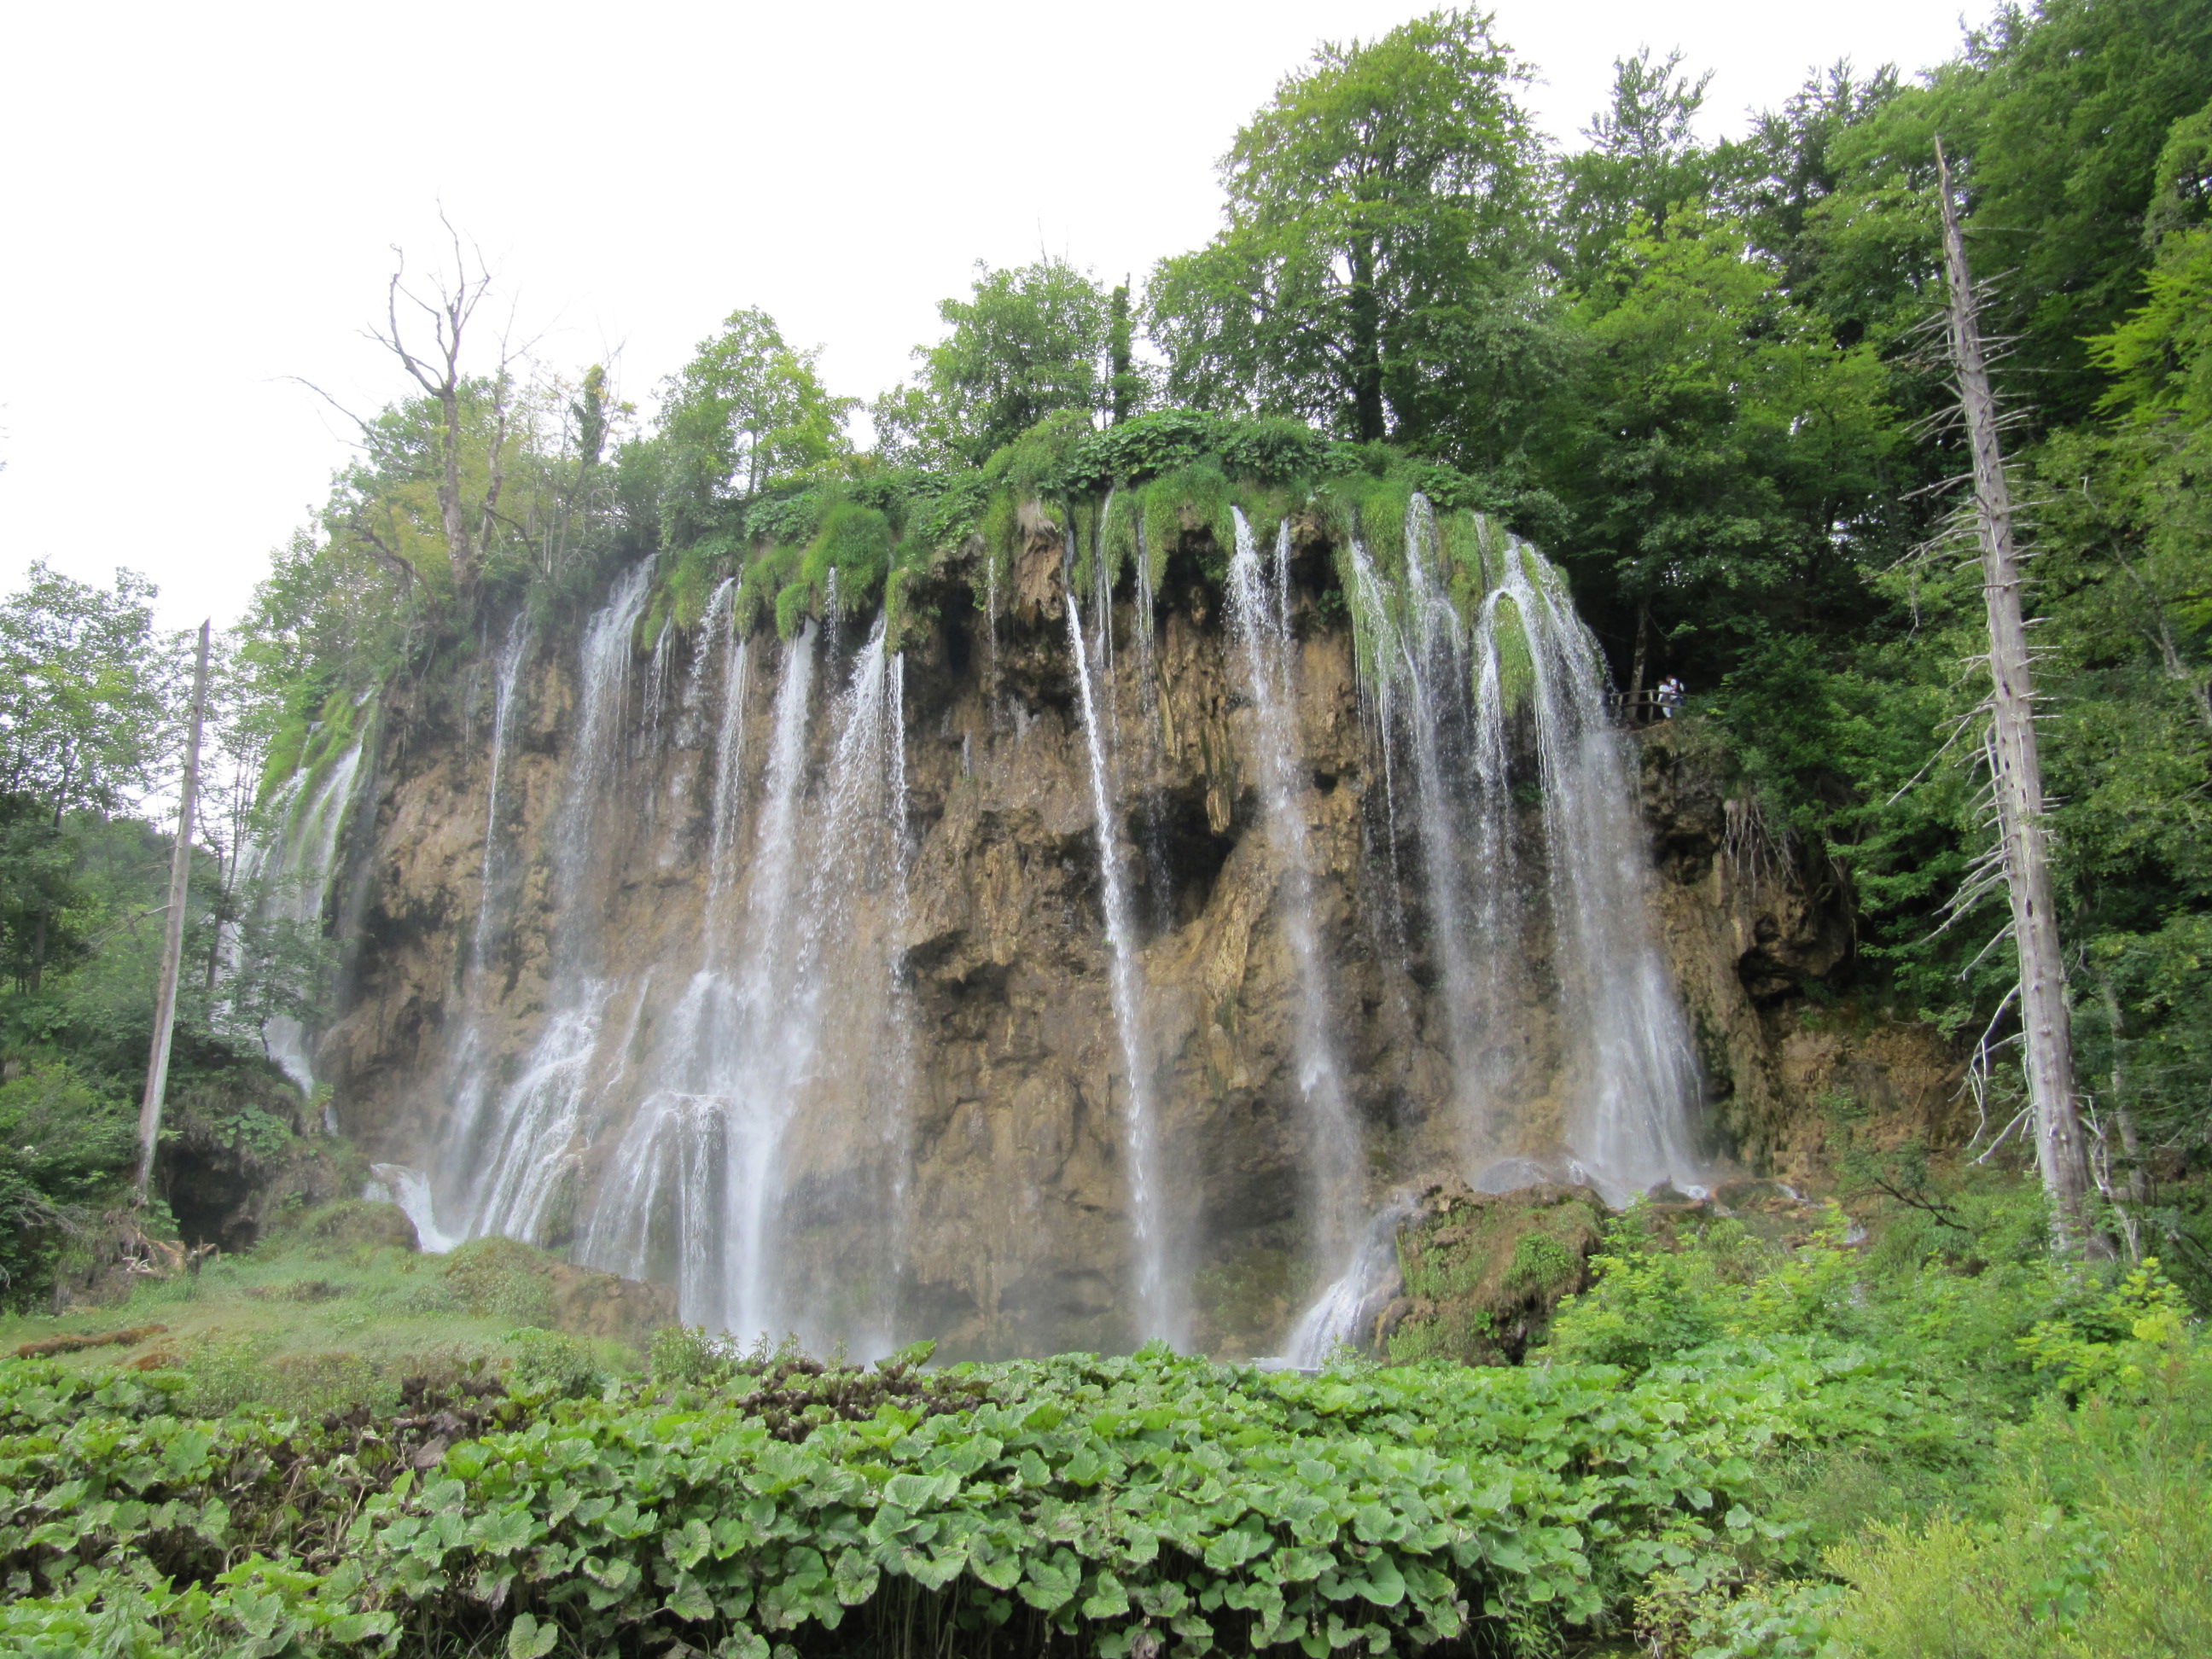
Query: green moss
{"type": "Point", "coordinates": [1266, 506]}
{"type": "Point", "coordinates": [285, 749]}
{"type": "Point", "coordinates": [502, 1278]}
{"type": "Point", "coordinates": [658, 612]}
{"type": "Point", "coordinates": [791, 608]}
{"type": "Point", "coordinates": [1383, 503]}
{"type": "Point", "coordinates": [905, 622]}
{"type": "Point", "coordinates": [1117, 532]}
{"type": "Point", "coordinates": [1000, 527]}
{"type": "Point", "coordinates": [698, 570]}
{"type": "Point", "coordinates": [1472, 547]}
{"type": "Point", "coordinates": [1516, 668]}
{"type": "Point", "coordinates": [1190, 500]}
{"type": "Point", "coordinates": [765, 574]}
{"type": "Point", "coordinates": [856, 542]}
{"type": "Point", "coordinates": [1542, 1264]}
{"type": "Point", "coordinates": [1483, 1272]}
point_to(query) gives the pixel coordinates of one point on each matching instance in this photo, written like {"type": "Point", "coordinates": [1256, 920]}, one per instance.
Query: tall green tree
{"type": "Point", "coordinates": [1028, 342]}
{"type": "Point", "coordinates": [1377, 267]}
{"type": "Point", "coordinates": [86, 688]}
{"type": "Point", "coordinates": [1715, 447]}
{"type": "Point", "coordinates": [1643, 162]}
{"type": "Point", "coordinates": [748, 409]}
{"type": "Point", "coordinates": [1789, 165]}
{"type": "Point", "coordinates": [2074, 102]}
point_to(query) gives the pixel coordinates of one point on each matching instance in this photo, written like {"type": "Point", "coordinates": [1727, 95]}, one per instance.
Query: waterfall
{"type": "Point", "coordinates": [726, 804]}
{"type": "Point", "coordinates": [1259, 615]}
{"type": "Point", "coordinates": [293, 874]}
{"type": "Point", "coordinates": [691, 1175]}
{"type": "Point", "coordinates": [1145, 619]}
{"type": "Point", "coordinates": [409, 1190]}
{"type": "Point", "coordinates": [503, 723]}
{"type": "Point", "coordinates": [516, 1148]}
{"type": "Point", "coordinates": [1635, 1070]}
{"type": "Point", "coordinates": [682, 1044]}
{"type": "Point", "coordinates": [1160, 1306]}
{"type": "Point", "coordinates": [1464, 702]}
{"type": "Point", "coordinates": [696, 1183]}
{"type": "Point", "coordinates": [468, 1068]}
{"type": "Point", "coordinates": [1346, 1312]}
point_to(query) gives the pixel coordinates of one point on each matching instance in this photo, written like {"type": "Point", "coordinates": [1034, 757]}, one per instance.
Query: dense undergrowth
{"type": "Point", "coordinates": [1942, 1442]}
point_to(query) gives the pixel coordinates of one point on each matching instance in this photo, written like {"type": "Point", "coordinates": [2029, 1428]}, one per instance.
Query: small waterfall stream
{"type": "Point", "coordinates": [502, 725]}
{"type": "Point", "coordinates": [292, 877]}
{"type": "Point", "coordinates": [1456, 698]}
{"type": "Point", "coordinates": [1259, 615]}
{"type": "Point", "coordinates": [1636, 1069]}
{"type": "Point", "coordinates": [516, 1145]}
{"type": "Point", "coordinates": [1156, 1294]}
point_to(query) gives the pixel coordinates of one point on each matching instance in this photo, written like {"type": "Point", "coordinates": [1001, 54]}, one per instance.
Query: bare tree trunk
{"type": "Point", "coordinates": [1366, 306]}
{"type": "Point", "coordinates": [2060, 1153]}
{"type": "Point", "coordinates": [2123, 1117]}
{"type": "Point", "coordinates": [173, 935]}
{"type": "Point", "coordinates": [1636, 674]}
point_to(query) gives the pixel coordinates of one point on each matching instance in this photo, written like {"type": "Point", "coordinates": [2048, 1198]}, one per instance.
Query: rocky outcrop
{"type": "Point", "coordinates": [1481, 1272]}
{"type": "Point", "coordinates": [1759, 935]}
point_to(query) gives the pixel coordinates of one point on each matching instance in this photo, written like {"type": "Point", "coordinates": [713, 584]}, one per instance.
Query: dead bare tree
{"type": "Point", "coordinates": [2046, 1020]}
{"type": "Point", "coordinates": [450, 308]}
{"type": "Point", "coordinates": [173, 934]}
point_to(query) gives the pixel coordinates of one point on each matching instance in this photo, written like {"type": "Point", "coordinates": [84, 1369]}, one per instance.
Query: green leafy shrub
{"type": "Point", "coordinates": [555, 1364]}
{"type": "Point", "coordinates": [2120, 1342]}
{"type": "Point", "coordinates": [501, 1277]}
{"type": "Point", "coordinates": [66, 1142]}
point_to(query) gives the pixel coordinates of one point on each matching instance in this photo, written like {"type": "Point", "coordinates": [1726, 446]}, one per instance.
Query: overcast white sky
{"type": "Point", "coordinates": [202, 199]}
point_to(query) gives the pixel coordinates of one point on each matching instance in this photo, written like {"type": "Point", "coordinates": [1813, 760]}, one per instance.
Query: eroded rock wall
{"type": "Point", "coordinates": [1760, 937]}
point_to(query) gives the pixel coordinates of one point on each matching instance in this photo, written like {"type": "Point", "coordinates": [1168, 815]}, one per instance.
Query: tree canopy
{"type": "Point", "coordinates": [1378, 264]}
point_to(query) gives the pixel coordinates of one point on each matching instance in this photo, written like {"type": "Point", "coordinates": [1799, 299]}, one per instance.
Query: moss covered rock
{"type": "Point", "coordinates": [508, 1280]}
{"type": "Point", "coordinates": [1483, 1270]}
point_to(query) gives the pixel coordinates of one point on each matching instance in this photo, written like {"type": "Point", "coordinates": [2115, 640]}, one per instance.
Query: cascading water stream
{"type": "Point", "coordinates": [1156, 1298]}
{"type": "Point", "coordinates": [695, 1186]}
{"type": "Point", "coordinates": [1454, 699]}
{"type": "Point", "coordinates": [503, 723]}
{"type": "Point", "coordinates": [690, 1175]}
{"type": "Point", "coordinates": [1346, 1311]}
{"type": "Point", "coordinates": [1630, 1121]}
{"type": "Point", "coordinates": [1259, 617]}
{"type": "Point", "coordinates": [514, 1148]}
{"type": "Point", "coordinates": [294, 883]}
{"type": "Point", "coordinates": [1414, 680]}
{"type": "Point", "coordinates": [468, 1065]}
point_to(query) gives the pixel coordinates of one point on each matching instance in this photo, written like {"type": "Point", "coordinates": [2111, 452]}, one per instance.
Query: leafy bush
{"type": "Point", "coordinates": [65, 1143]}
{"type": "Point", "coordinates": [1151, 1503]}
{"type": "Point", "coordinates": [2121, 1341]}
{"type": "Point", "coordinates": [501, 1277]}
{"type": "Point", "coordinates": [555, 1364]}
{"type": "Point", "coordinates": [2095, 1542]}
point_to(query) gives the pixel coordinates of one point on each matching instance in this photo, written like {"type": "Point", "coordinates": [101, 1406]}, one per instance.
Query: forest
{"type": "Point", "coordinates": [1711, 381]}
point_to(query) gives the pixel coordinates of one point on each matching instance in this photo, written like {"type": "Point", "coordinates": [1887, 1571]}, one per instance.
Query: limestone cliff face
{"type": "Point", "coordinates": [965, 1176]}
{"type": "Point", "coordinates": [1754, 929]}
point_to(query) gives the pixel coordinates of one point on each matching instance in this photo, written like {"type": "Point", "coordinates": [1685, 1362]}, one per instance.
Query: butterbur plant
{"type": "Point", "coordinates": [764, 1503]}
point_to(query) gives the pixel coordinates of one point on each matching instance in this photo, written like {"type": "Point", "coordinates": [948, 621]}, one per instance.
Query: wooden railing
{"type": "Point", "coordinates": [1644, 709]}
